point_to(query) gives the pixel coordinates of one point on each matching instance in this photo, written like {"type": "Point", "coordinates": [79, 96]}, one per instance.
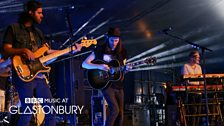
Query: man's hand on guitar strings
{"type": "Point", "coordinates": [28, 54]}
{"type": "Point", "coordinates": [128, 67]}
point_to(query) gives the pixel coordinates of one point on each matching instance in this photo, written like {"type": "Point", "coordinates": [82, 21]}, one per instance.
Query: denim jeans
{"type": "Point", "coordinates": [26, 90]}
{"type": "Point", "coordinates": [115, 100]}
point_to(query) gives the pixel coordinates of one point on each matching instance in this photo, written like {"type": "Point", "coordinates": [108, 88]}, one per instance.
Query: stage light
{"type": "Point", "coordinates": [217, 6]}
{"type": "Point", "coordinates": [142, 26]}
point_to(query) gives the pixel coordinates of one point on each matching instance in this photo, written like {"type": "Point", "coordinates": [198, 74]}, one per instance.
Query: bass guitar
{"type": "Point", "coordinates": [99, 79]}
{"type": "Point", "coordinates": [28, 70]}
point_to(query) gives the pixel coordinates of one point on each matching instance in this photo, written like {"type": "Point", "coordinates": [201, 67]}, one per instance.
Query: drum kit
{"type": "Point", "coordinates": [10, 97]}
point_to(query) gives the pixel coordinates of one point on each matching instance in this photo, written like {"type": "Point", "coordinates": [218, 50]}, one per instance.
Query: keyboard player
{"type": "Point", "coordinates": [191, 68]}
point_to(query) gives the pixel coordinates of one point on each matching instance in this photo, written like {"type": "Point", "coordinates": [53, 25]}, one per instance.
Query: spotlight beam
{"type": "Point", "coordinates": [2, 3]}
{"type": "Point", "coordinates": [158, 67]}
{"type": "Point", "coordinates": [147, 52]}
{"type": "Point", "coordinates": [169, 58]}
{"type": "Point", "coordinates": [94, 29]}
{"type": "Point", "coordinates": [11, 6]}
{"type": "Point", "coordinates": [98, 12]}
{"type": "Point", "coordinates": [179, 49]}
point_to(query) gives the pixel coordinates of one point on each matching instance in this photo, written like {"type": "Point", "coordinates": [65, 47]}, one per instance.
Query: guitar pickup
{"type": "Point", "coordinates": [19, 69]}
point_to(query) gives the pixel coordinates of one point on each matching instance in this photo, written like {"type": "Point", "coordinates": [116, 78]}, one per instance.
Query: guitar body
{"type": "Point", "coordinates": [28, 70]}
{"type": "Point", "coordinates": [100, 79]}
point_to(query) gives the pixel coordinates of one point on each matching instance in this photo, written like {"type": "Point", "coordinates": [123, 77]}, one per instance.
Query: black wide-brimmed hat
{"type": "Point", "coordinates": [114, 32]}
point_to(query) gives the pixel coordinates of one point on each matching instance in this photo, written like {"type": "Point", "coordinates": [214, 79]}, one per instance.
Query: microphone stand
{"type": "Point", "coordinates": [71, 65]}
{"type": "Point", "coordinates": [203, 49]}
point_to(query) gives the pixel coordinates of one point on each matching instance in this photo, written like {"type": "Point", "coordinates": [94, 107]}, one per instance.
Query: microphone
{"type": "Point", "coordinates": [66, 8]}
{"type": "Point", "coordinates": [167, 29]}
{"type": "Point", "coordinates": [164, 31]}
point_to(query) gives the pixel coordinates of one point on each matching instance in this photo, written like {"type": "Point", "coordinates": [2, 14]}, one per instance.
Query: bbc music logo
{"type": "Point", "coordinates": [34, 100]}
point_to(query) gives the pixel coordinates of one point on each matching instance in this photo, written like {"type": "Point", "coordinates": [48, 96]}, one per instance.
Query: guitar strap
{"type": "Point", "coordinates": [33, 42]}
{"type": "Point", "coordinates": [34, 48]}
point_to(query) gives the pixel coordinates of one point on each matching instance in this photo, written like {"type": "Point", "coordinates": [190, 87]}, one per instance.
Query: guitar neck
{"type": "Point", "coordinates": [137, 63]}
{"type": "Point", "coordinates": [54, 55]}
{"type": "Point", "coordinates": [84, 43]}
{"type": "Point", "coordinates": [132, 64]}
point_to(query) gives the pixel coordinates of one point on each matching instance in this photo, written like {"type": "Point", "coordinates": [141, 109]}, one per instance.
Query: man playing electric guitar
{"type": "Point", "coordinates": [23, 39]}
{"type": "Point", "coordinates": [113, 93]}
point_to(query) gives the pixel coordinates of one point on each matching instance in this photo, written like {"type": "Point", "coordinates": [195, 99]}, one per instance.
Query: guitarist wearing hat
{"type": "Point", "coordinates": [113, 92]}
{"type": "Point", "coordinates": [23, 39]}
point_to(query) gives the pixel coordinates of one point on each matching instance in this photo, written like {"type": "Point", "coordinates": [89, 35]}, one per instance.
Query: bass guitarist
{"type": "Point", "coordinates": [23, 39]}
{"type": "Point", "coordinates": [113, 93]}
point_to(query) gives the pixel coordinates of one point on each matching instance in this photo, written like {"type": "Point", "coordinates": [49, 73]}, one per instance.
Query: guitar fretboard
{"type": "Point", "coordinates": [137, 63]}
{"type": "Point", "coordinates": [54, 55]}
{"type": "Point", "coordinates": [84, 43]}
{"type": "Point", "coordinates": [132, 64]}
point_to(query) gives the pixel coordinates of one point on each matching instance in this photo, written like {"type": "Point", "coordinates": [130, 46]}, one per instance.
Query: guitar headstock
{"type": "Point", "coordinates": [88, 42]}
{"type": "Point", "coordinates": [151, 60]}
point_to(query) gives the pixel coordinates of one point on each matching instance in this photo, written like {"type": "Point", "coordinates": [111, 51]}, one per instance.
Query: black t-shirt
{"type": "Point", "coordinates": [100, 51]}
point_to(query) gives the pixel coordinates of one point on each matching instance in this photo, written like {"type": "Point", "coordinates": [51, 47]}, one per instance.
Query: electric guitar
{"type": "Point", "coordinates": [99, 79]}
{"type": "Point", "coordinates": [28, 70]}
